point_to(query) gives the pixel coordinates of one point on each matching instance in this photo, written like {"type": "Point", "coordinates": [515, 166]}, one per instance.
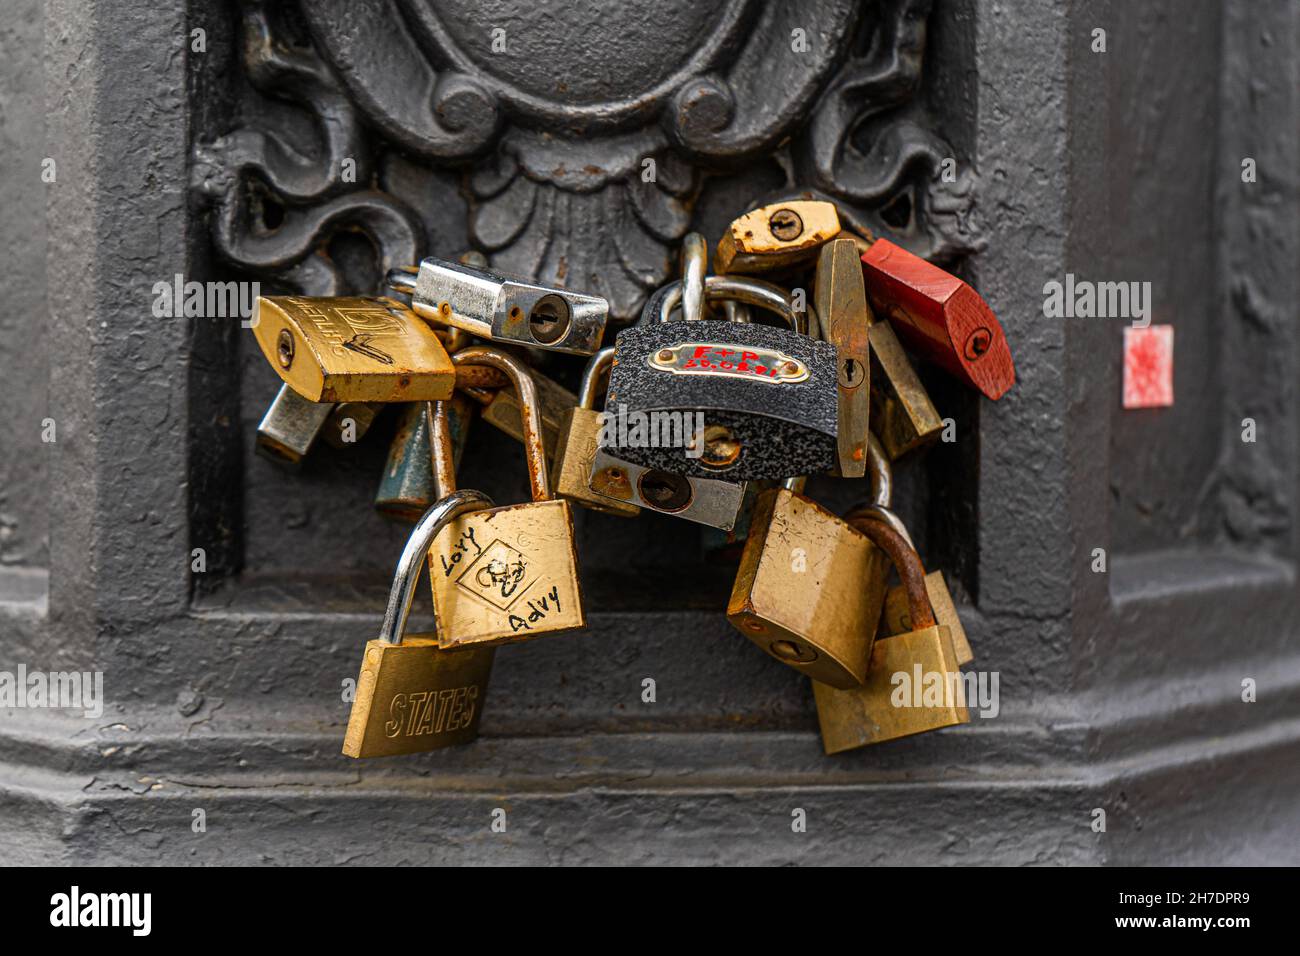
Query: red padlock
{"type": "Point", "coordinates": [939, 317]}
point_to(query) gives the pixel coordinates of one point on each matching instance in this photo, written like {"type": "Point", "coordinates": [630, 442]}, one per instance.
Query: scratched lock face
{"type": "Point", "coordinates": [505, 575]}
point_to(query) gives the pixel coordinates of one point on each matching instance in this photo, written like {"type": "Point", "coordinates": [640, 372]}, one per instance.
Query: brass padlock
{"type": "Point", "coordinates": [406, 489]}
{"type": "Point", "coordinates": [810, 586]}
{"type": "Point", "coordinates": [913, 683]}
{"type": "Point", "coordinates": [413, 695]}
{"type": "Point", "coordinates": [841, 300]}
{"type": "Point", "coordinates": [501, 410]}
{"type": "Point", "coordinates": [576, 449]}
{"type": "Point", "coordinates": [511, 573]}
{"type": "Point", "coordinates": [290, 427]}
{"type": "Point", "coordinates": [502, 308]}
{"type": "Point", "coordinates": [352, 349]}
{"type": "Point", "coordinates": [777, 237]}
{"type": "Point", "coordinates": [902, 414]}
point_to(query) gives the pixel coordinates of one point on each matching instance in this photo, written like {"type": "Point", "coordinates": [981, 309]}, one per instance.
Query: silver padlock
{"type": "Point", "coordinates": [290, 427]}
{"type": "Point", "coordinates": [502, 308]}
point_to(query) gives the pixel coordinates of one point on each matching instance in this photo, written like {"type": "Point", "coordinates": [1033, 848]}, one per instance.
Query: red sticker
{"type": "Point", "coordinates": [1149, 366]}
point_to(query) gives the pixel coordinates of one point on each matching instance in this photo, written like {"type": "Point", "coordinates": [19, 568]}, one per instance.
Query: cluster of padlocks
{"type": "Point", "coordinates": [729, 391]}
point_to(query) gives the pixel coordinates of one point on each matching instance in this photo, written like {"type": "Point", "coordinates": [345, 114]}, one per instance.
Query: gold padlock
{"type": "Point", "coordinates": [579, 436]}
{"type": "Point", "coordinates": [413, 695]}
{"type": "Point", "coordinates": [841, 300]}
{"type": "Point", "coordinates": [902, 414]}
{"type": "Point", "coordinates": [511, 573]}
{"type": "Point", "coordinates": [914, 682]}
{"type": "Point", "coordinates": [352, 349]}
{"type": "Point", "coordinates": [776, 237]}
{"type": "Point", "coordinates": [810, 586]}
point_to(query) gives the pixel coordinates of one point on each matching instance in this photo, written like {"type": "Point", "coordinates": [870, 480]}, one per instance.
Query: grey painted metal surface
{"type": "Point", "coordinates": [1119, 691]}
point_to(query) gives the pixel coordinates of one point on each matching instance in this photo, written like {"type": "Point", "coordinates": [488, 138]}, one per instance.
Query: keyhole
{"type": "Point", "coordinates": [665, 491]}
{"type": "Point", "coordinates": [977, 343]}
{"type": "Point", "coordinates": [549, 320]}
{"type": "Point", "coordinates": [852, 372]}
{"type": "Point", "coordinates": [284, 348]}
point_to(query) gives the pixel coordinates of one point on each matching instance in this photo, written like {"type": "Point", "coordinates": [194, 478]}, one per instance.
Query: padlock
{"type": "Point", "coordinates": [406, 489]}
{"type": "Point", "coordinates": [902, 414]}
{"type": "Point", "coordinates": [841, 300]}
{"type": "Point", "coordinates": [290, 427]}
{"type": "Point", "coordinates": [511, 573]}
{"type": "Point", "coordinates": [895, 617]}
{"type": "Point", "coordinates": [768, 397]}
{"type": "Point", "coordinates": [501, 410]}
{"type": "Point", "coordinates": [348, 423]}
{"type": "Point", "coordinates": [352, 349]}
{"type": "Point", "coordinates": [578, 438]}
{"type": "Point", "coordinates": [913, 682]}
{"type": "Point", "coordinates": [503, 308]}
{"type": "Point", "coordinates": [776, 237]}
{"type": "Point", "coordinates": [810, 586]}
{"type": "Point", "coordinates": [413, 695]}
{"type": "Point", "coordinates": [939, 317]}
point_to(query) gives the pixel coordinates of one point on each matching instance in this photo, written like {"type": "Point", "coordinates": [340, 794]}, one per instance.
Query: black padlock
{"type": "Point", "coordinates": [766, 398]}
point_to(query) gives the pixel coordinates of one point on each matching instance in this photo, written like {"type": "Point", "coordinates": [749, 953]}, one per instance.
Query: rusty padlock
{"type": "Point", "coordinates": [509, 573]}
{"type": "Point", "coordinates": [777, 237]}
{"type": "Point", "coordinates": [406, 489]}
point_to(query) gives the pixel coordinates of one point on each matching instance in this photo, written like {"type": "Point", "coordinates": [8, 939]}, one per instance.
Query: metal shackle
{"type": "Point", "coordinates": [906, 561]}
{"type": "Point", "coordinates": [745, 289]}
{"type": "Point", "coordinates": [695, 266]}
{"type": "Point", "coordinates": [882, 491]}
{"type": "Point", "coordinates": [596, 370]}
{"type": "Point", "coordinates": [530, 415]}
{"type": "Point", "coordinates": [416, 553]}
{"type": "Point", "coordinates": [402, 279]}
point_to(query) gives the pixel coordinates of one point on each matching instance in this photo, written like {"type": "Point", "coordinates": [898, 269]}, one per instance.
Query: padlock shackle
{"type": "Point", "coordinates": [881, 471]}
{"type": "Point", "coordinates": [416, 554]}
{"type": "Point", "coordinates": [530, 414]}
{"type": "Point", "coordinates": [906, 561]}
{"type": "Point", "coordinates": [402, 279]}
{"type": "Point", "coordinates": [757, 292]}
{"type": "Point", "coordinates": [694, 267]}
{"type": "Point", "coordinates": [882, 513]}
{"type": "Point", "coordinates": [597, 370]}
{"type": "Point", "coordinates": [437, 420]}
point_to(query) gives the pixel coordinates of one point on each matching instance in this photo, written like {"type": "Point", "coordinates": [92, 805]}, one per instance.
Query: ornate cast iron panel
{"type": "Point", "coordinates": [582, 134]}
